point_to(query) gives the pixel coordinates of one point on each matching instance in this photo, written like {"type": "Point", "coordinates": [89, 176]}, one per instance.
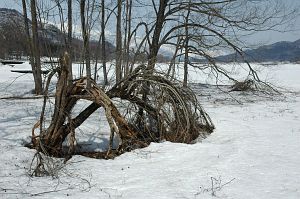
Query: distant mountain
{"type": "Point", "coordinates": [13, 38]}
{"type": "Point", "coordinates": [11, 32]}
{"type": "Point", "coordinates": [8, 16]}
{"type": "Point", "coordinates": [280, 51]}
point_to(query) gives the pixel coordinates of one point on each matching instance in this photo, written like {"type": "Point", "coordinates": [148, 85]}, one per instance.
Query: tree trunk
{"type": "Point", "coordinates": [186, 47]}
{"type": "Point", "coordinates": [154, 47]}
{"type": "Point", "coordinates": [171, 70]}
{"type": "Point", "coordinates": [69, 43]}
{"type": "Point", "coordinates": [119, 43]}
{"type": "Point", "coordinates": [57, 131]}
{"type": "Point", "coordinates": [29, 41]}
{"type": "Point", "coordinates": [85, 35]}
{"type": "Point", "coordinates": [103, 52]}
{"type": "Point", "coordinates": [36, 68]}
{"type": "Point", "coordinates": [160, 19]}
{"type": "Point", "coordinates": [127, 37]}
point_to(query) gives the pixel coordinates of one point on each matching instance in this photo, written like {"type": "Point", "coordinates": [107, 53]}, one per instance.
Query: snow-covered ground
{"type": "Point", "coordinates": [253, 153]}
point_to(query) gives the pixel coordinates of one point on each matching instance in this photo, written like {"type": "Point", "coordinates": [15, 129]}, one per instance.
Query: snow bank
{"type": "Point", "coordinates": [253, 153]}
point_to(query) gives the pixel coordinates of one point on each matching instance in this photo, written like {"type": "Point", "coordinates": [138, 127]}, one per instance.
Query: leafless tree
{"type": "Point", "coordinates": [158, 107]}
{"type": "Point", "coordinates": [154, 46]}
{"type": "Point", "coordinates": [69, 43]}
{"type": "Point", "coordinates": [186, 46]}
{"type": "Point", "coordinates": [26, 26]}
{"type": "Point", "coordinates": [119, 42]}
{"type": "Point", "coordinates": [35, 50]}
{"type": "Point", "coordinates": [127, 37]}
{"type": "Point", "coordinates": [85, 36]}
{"type": "Point", "coordinates": [103, 41]}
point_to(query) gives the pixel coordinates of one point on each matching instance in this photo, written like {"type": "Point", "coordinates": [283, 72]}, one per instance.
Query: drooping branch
{"type": "Point", "coordinates": [171, 112]}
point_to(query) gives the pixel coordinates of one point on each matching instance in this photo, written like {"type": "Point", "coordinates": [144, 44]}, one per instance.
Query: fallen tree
{"type": "Point", "coordinates": [170, 112]}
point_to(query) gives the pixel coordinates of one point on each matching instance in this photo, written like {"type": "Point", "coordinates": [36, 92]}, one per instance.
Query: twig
{"type": "Point", "coordinates": [24, 98]}
{"type": "Point", "coordinates": [45, 192]}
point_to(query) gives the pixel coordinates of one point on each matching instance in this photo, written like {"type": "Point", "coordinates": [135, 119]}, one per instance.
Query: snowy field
{"type": "Point", "coordinates": [253, 153]}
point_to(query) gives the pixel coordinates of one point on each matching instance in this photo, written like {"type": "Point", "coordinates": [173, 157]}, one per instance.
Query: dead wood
{"type": "Point", "coordinates": [254, 85]}
{"type": "Point", "coordinates": [28, 71]}
{"type": "Point", "coordinates": [247, 85]}
{"type": "Point", "coordinates": [171, 112]}
{"type": "Point", "coordinates": [24, 98]}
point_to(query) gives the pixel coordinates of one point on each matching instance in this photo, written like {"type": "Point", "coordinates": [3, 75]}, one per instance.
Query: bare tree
{"type": "Point", "coordinates": [36, 64]}
{"type": "Point", "coordinates": [119, 43]}
{"type": "Point", "coordinates": [155, 46]}
{"type": "Point", "coordinates": [186, 46]}
{"type": "Point", "coordinates": [26, 25]}
{"type": "Point", "coordinates": [127, 37]}
{"type": "Point", "coordinates": [157, 107]}
{"type": "Point", "coordinates": [103, 42]}
{"type": "Point", "coordinates": [69, 42]}
{"type": "Point", "coordinates": [85, 36]}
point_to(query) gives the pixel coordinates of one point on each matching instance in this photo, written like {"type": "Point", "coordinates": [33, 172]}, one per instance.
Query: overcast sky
{"type": "Point", "coordinates": [292, 30]}
{"type": "Point", "coordinates": [258, 38]}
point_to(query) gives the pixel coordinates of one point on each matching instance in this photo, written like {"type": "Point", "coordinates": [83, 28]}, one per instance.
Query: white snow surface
{"type": "Point", "coordinates": [254, 151]}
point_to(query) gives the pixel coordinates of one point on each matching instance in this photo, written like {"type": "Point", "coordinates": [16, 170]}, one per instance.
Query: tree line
{"type": "Point", "coordinates": [191, 29]}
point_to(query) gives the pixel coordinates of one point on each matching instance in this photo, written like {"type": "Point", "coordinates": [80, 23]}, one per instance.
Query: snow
{"type": "Point", "coordinates": [253, 153]}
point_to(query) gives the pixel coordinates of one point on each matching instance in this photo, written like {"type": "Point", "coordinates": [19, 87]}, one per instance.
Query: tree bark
{"type": "Point", "coordinates": [103, 52]}
{"type": "Point", "coordinates": [154, 47]}
{"type": "Point", "coordinates": [69, 43]}
{"type": "Point", "coordinates": [85, 35]}
{"type": "Point", "coordinates": [186, 47]}
{"type": "Point", "coordinates": [119, 43]}
{"type": "Point", "coordinates": [53, 137]}
{"type": "Point", "coordinates": [29, 41]}
{"type": "Point", "coordinates": [36, 68]}
{"type": "Point", "coordinates": [127, 36]}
